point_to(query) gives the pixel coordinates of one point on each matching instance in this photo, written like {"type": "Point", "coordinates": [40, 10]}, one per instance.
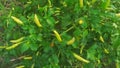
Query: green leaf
{"type": "Point", "coordinates": [51, 21]}
{"type": "Point", "coordinates": [34, 47]}
{"type": "Point", "coordinates": [25, 47]}
{"type": "Point", "coordinates": [54, 59]}
{"type": "Point", "coordinates": [85, 33]}
{"type": "Point", "coordinates": [91, 52]}
{"type": "Point", "coordinates": [84, 25]}
{"type": "Point", "coordinates": [77, 32]}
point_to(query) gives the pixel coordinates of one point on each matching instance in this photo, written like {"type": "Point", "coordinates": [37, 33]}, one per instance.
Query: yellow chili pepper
{"type": "Point", "coordinates": [22, 66]}
{"type": "Point", "coordinates": [88, 3]}
{"type": "Point", "coordinates": [50, 4]}
{"type": "Point", "coordinates": [106, 51]}
{"type": "Point", "coordinates": [13, 46]}
{"type": "Point", "coordinates": [37, 53]}
{"type": "Point", "coordinates": [38, 6]}
{"type": "Point", "coordinates": [17, 40]}
{"type": "Point", "coordinates": [101, 39]}
{"type": "Point", "coordinates": [115, 25]}
{"type": "Point", "coordinates": [28, 58]}
{"type": "Point", "coordinates": [29, 2]}
{"type": "Point", "coordinates": [80, 22]}
{"type": "Point", "coordinates": [80, 58]}
{"type": "Point", "coordinates": [70, 42]}
{"type": "Point", "coordinates": [81, 3]}
{"type": "Point", "coordinates": [81, 49]}
{"type": "Point", "coordinates": [33, 65]}
{"type": "Point", "coordinates": [93, 1]}
{"type": "Point", "coordinates": [98, 61]}
{"type": "Point", "coordinates": [117, 64]}
{"type": "Point", "coordinates": [57, 35]}
{"type": "Point", "coordinates": [36, 20]}
{"type": "Point", "coordinates": [2, 47]}
{"type": "Point", "coordinates": [107, 4]}
{"type": "Point", "coordinates": [117, 15]}
{"type": "Point", "coordinates": [17, 20]}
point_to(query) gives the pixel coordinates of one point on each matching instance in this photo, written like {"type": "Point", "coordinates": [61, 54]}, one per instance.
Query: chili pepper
{"type": "Point", "coordinates": [81, 3]}
{"type": "Point", "coordinates": [117, 15]}
{"type": "Point", "coordinates": [80, 21]}
{"type": "Point", "coordinates": [36, 20]}
{"type": "Point", "coordinates": [98, 61]}
{"type": "Point", "coordinates": [57, 35]}
{"type": "Point", "coordinates": [22, 66]}
{"type": "Point", "coordinates": [81, 49]}
{"type": "Point", "coordinates": [28, 58]}
{"type": "Point", "coordinates": [101, 39]}
{"type": "Point", "coordinates": [13, 46]}
{"type": "Point", "coordinates": [117, 64]}
{"type": "Point", "coordinates": [33, 65]}
{"type": "Point", "coordinates": [17, 40]}
{"type": "Point", "coordinates": [107, 3]}
{"type": "Point", "coordinates": [80, 58]}
{"type": "Point", "coordinates": [2, 47]}
{"type": "Point", "coordinates": [106, 51]}
{"type": "Point", "coordinates": [93, 1]}
{"type": "Point", "coordinates": [17, 20]}
{"type": "Point", "coordinates": [71, 41]}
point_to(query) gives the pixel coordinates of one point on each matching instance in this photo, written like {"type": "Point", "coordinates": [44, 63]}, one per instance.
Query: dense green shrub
{"type": "Point", "coordinates": [64, 29]}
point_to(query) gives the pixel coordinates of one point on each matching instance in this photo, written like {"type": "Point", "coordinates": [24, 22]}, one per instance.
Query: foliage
{"type": "Point", "coordinates": [60, 34]}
